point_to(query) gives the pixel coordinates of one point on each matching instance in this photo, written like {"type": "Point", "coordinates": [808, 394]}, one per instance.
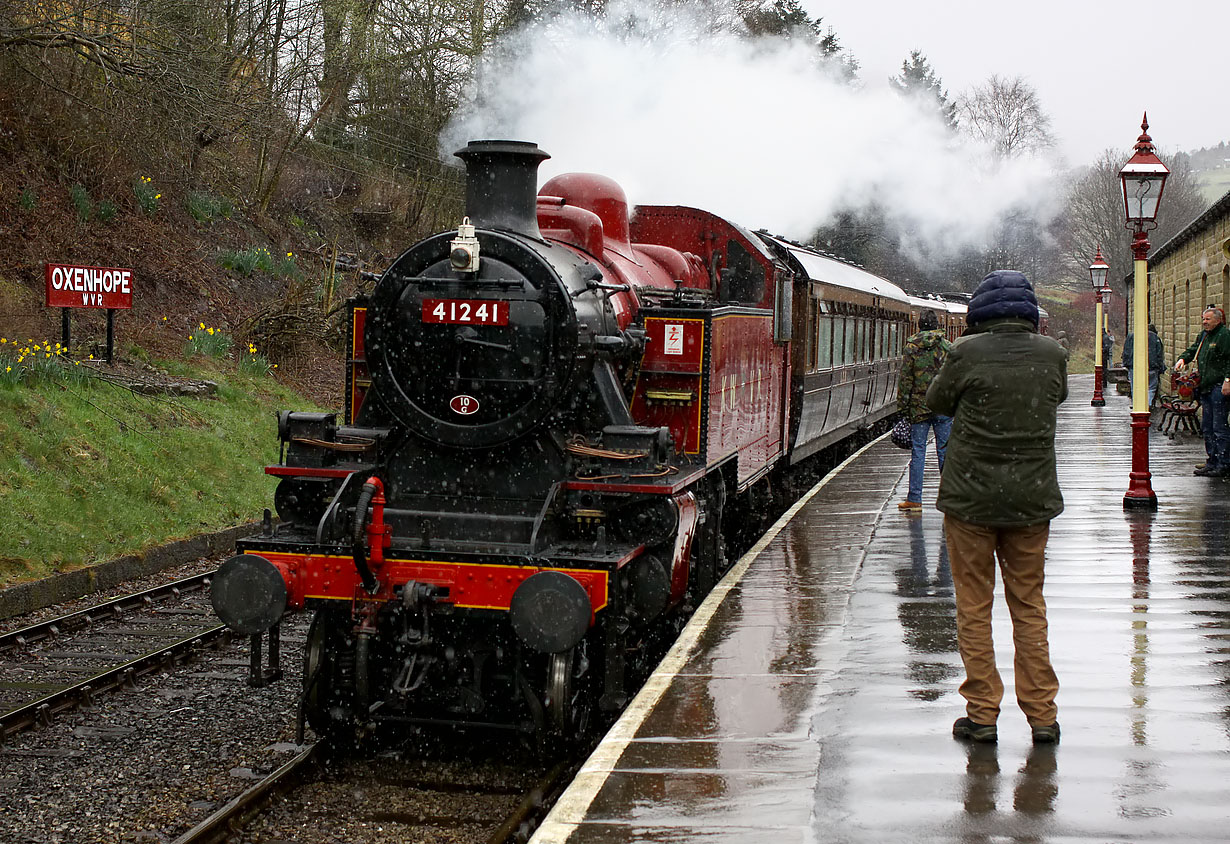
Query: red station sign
{"type": "Point", "coordinates": [70, 286]}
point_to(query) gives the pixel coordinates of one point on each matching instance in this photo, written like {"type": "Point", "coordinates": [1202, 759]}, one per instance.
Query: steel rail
{"type": "Point", "coordinates": [43, 710]}
{"type": "Point", "coordinates": [105, 611]}
{"type": "Point", "coordinates": [533, 807]}
{"type": "Point", "coordinates": [232, 816]}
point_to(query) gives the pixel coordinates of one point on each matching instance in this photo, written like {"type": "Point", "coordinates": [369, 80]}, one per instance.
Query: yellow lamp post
{"type": "Point", "coordinates": [1097, 275]}
{"type": "Point", "coordinates": [1143, 178]}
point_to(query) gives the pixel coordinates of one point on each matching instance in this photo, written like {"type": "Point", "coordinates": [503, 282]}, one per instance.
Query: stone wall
{"type": "Point", "coordinates": [1188, 274]}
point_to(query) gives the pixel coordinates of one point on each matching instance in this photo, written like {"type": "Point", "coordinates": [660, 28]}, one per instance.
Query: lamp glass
{"type": "Point", "coordinates": [1141, 193]}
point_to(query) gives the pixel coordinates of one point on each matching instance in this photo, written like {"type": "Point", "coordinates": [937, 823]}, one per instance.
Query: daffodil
{"type": "Point", "coordinates": [202, 326]}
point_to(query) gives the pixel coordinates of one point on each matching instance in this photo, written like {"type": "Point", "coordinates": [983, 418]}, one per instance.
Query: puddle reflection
{"type": "Point", "coordinates": [928, 613]}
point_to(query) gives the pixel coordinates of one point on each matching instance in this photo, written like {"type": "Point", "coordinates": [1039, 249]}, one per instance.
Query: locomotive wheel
{"type": "Point", "coordinates": [566, 698]}
{"type": "Point", "coordinates": [327, 670]}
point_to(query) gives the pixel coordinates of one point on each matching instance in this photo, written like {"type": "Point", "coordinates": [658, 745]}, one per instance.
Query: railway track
{"type": "Point", "coordinates": [57, 665]}
{"type": "Point", "coordinates": [385, 796]}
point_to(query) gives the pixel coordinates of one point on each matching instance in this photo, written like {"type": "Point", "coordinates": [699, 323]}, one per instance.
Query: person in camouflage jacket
{"type": "Point", "coordinates": [923, 356]}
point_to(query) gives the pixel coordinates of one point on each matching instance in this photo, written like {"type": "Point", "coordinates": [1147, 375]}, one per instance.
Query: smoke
{"type": "Point", "coordinates": [680, 113]}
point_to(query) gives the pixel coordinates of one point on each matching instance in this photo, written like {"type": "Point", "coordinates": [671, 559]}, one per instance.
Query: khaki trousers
{"type": "Point", "coordinates": [972, 551]}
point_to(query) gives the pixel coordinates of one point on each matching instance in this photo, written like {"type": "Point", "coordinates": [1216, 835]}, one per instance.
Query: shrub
{"type": "Point", "coordinates": [36, 360]}
{"type": "Point", "coordinates": [208, 341]}
{"type": "Point", "coordinates": [287, 267]}
{"type": "Point", "coordinates": [147, 197]}
{"type": "Point", "coordinates": [28, 199]}
{"type": "Point", "coordinates": [246, 261]}
{"type": "Point", "coordinates": [106, 210]}
{"type": "Point", "coordinates": [81, 201]}
{"type": "Point", "coordinates": [205, 208]}
{"type": "Point", "coordinates": [254, 363]}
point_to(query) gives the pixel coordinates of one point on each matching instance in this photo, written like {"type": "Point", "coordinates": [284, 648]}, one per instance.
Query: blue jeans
{"type": "Point", "coordinates": [1216, 431]}
{"type": "Point", "coordinates": [1153, 378]}
{"type": "Point", "coordinates": [918, 449]}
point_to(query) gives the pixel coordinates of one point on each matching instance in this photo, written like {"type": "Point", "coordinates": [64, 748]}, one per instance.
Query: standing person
{"type": "Point", "coordinates": [1061, 338]}
{"type": "Point", "coordinates": [1156, 360]}
{"type": "Point", "coordinates": [1003, 383]}
{"type": "Point", "coordinates": [923, 356]}
{"type": "Point", "coordinates": [1210, 351]}
{"type": "Point", "coordinates": [1108, 348]}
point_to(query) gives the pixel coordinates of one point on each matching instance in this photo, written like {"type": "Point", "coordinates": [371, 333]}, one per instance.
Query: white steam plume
{"type": "Point", "coordinates": [753, 130]}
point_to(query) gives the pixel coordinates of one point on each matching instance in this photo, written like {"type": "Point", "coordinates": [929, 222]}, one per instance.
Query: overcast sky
{"type": "Point", "coordinates": [1093, 65]}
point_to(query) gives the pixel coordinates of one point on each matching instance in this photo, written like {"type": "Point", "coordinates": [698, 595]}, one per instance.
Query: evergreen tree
{"type": "Point", "coordinates": [788, 19]}
{"type": "Point", "coordinates": [917, 78]}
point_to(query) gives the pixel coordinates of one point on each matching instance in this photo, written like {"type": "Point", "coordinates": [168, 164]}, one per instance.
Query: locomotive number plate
{"type": "Point", "coordinates": [465, 312]}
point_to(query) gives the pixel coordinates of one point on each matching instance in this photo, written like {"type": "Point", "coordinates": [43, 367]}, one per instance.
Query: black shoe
{"type": "Point", "coordinates": [967, 730]}
{"type": "Point", "coordinates": [1046, 733]}
{"type": "Point", "coordinates": [1207, 471]}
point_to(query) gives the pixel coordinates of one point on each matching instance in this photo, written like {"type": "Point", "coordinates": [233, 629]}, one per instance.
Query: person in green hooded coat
{"type": "Point", "coordinates": [1002, 383]}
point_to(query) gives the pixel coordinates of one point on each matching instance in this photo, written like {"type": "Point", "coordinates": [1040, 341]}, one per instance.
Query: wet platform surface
{"type": "Point", "coordinates": [814, 701]}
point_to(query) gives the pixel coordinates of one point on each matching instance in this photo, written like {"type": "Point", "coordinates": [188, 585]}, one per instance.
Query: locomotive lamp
{"type": "Point", "coordinates": [1097, 274]}
{"type": "Point", "coordinates": [463, 250]}
{"type": "Point", "coordinates": [1143, 178]}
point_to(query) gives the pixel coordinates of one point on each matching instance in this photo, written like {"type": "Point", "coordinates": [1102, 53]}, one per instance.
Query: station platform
{"type": "Point", "coordinates": [811, 697]}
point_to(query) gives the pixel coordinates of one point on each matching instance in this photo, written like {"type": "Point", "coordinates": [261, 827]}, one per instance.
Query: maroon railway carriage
{"type": "Point", "coordinates": [549, 413]}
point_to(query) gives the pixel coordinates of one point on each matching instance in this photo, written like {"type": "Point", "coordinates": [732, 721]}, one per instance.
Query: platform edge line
{"type": "Point", "coordinates": [567, 813]}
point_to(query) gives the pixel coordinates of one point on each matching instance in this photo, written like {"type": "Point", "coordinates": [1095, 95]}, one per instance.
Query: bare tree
{"type": "Point", "coordinates": [1006, 114]}
{"type": "Point", "coordinates": [1094, 216]}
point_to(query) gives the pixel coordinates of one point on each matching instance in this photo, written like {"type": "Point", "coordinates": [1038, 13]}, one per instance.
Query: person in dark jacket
{"type": "Point", "coordinates": [1002, 383]}
{"type": "Point", "coordinates": [1157, 362]}
{"type": "Point", "coordinates": [1108, 348]}
{"type": "Point", "coordinates": [1210, 351]}
{"type": "Point", "coordinates": [922, 358]}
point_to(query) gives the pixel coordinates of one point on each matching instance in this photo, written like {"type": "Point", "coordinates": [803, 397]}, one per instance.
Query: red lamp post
{"type": "Point", "coordinates": [1143, 178]}
{"type": "Point", "coordinates": [1097, 274]}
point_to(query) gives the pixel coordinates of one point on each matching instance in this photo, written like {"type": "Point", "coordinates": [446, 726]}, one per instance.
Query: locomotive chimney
{"type": "Point", "coordinates": [502, 184]}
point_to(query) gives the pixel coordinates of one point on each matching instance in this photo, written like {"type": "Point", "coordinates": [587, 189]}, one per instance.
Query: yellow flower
{"type": "Point", "coordinates": [202, 325]}
{"type": "Point", "coordinates": [290, 254]}
{"type": "Point", "coordinates": [164, 319]}
{"type": "Point", "coordinates": [157, 196]}
{"type": "Point", "coordinates": [91, 357]}
{"type": "Point", "coordinates": [275, 366]}
{"type": "Point", "coordinates": [76, 363]}
{"type": "Point", "coordinates": [211, 332]}
{"type": "Point", "coordinates": [9, 368]}
{"type": "Point", "coordinates": [4, 339]}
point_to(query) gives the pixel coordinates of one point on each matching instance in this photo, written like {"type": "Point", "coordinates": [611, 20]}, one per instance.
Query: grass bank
{"type": "Point", "coordinates": [91, 470]}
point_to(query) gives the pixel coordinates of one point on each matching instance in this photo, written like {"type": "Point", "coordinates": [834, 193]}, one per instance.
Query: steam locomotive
{"type": "Point", "coordinates": [552, 416]}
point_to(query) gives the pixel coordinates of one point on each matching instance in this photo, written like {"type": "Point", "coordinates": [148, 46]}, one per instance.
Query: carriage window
{"type": "Point", "coordinates": [813, 343]}
{"type": "Point", "coordinates": [824, 343]}
{"type": "Point", "coordinates": [847, 352]}
{"type": "Point", "coordinates": [896, 338]}
{"type": "Point", "coordinates": [864, 339]}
